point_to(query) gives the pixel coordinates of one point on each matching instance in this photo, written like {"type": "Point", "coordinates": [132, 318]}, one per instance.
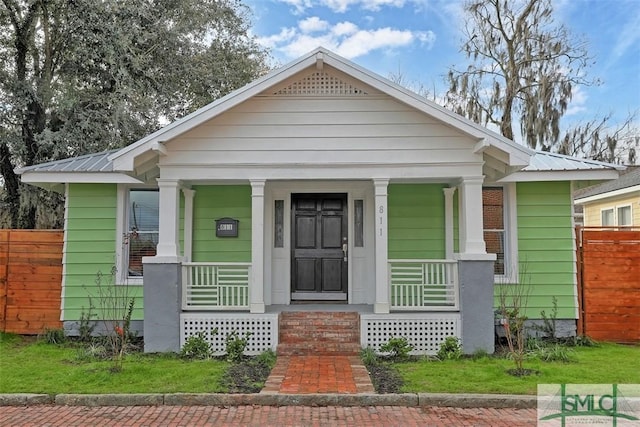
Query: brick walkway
{"type": "Point", "coordinates": [260, 416]}
{"type": "Point", "coordinates": [318, 374]}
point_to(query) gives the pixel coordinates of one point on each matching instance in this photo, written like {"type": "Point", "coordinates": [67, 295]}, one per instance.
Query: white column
{"type": "Point", "coordinates": [470, 216]}
{"type": "Point", "coordinates": [448, 221]}
{"type": "Point", "coordinates": [188, 222]}
{"type": "Point", "coordinates": [381, 304]}
{"type": "Point", "coordinates": [168, 204]}
{"type": "Point", "coordinates": [256, 290]}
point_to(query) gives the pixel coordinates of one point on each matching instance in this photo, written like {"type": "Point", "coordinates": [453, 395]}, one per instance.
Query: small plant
{"type": "Point", "coordinates": [197, 347]}
{"type": "Point", "coordinates": [235, 346]}
{"type": "Point", "coordinates": [548, 327]}
{"type": "Point", "coordinates": [480, 354]}
{"type": "Point", "coordinates": [53, 336]}
{"type": "Point", "coordinates": [369, 356]}
{"type": "Point", "coordinates": [86, 325]}
{"type": "Point", "coordinates": [91, 352]}
{"type": "Point", "coordinates": [554, 353]}
{"type": "Point", "coordinates": [398, 348]}
{"type": "Point", "coordinates": [450, 349]}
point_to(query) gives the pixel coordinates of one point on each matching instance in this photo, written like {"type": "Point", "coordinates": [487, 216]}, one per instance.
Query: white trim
{"type": "Point", "coordinates": [381, 229]}
{"type": "Point", "coordinates": [64, 251]}
{"type": "Point", "coordinates": [511, 240]}
{"type": "Point", "coordinates": [518, 155]}
{"type": "Point", "coordinates": [613, 216]}
{"type": "Point", "coordinates": [256, 286]}
{"type": "Point", "coordinates": [470, 215]}
{"type": "Point", "coordinates": [188, 195]}
{"type": "Point", "coordinates": [448, 221]}
{"type": "Point", "coordinates": [609, 194]}
{"type": "Point", "coordinates": [569, 175]}
{"type": "Point", "coordinates": [79, 177]}
{"type": "Point", "coordinates": [576, 303]}
{"type": "Point", "coordinates": [617, 215]}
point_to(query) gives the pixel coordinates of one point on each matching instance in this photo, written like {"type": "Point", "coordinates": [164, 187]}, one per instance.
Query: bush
{"type": "Point", "coordinates": [368, 356]}
{"type": "Point", "coordinates": [196, 347]}
{"type": "Point", "coordinates": [398, 348]}
{"type": "Point", "coordinates": [235, 346]}
{"type": "Point", "coordinates": [450, 349]}
{"type": "Point", "coordinates": [53, 336]}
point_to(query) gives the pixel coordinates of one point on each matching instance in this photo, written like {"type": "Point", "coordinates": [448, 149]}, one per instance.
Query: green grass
{"type": "Point", "coordinates": [28, 366]}
{"type": "Point", "coordinates": [603, 364]}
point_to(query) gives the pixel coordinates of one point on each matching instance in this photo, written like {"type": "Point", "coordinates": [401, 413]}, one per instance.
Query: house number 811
{"type": "Point", "coordinates": [381, 211]}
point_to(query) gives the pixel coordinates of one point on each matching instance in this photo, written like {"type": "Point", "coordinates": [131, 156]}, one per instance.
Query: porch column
{"type": "Point", "coordinates": [470, 216]}
{"type": "Point", "coordinates": [168, 204]}
{"type": "Point", "coordinates": [381, 304]}
{"type": "Point", "coordinates": [448, 221]}
{"type": "Point", "coordinates": [188, 222]}
{"type": "Point", "coordinates": [256, 290]}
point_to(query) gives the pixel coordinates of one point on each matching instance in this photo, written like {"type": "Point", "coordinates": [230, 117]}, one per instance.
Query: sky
{"type": "Point", "coordinates": [420, 40]}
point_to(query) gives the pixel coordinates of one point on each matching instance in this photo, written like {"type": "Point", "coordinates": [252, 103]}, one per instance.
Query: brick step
{"type": "Point", "coordinates": [333, 349]}
{"type": "Point", "coordinates": [314, 332]}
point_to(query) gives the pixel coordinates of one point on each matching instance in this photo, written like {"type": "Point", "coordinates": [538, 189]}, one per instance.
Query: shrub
{"type": "Point", "coordinates": [235, 346]}
{"type": "Point", "coordinates": [450, 349]}
{"type": "Point", "coordinates": [196, 347]}
{"type": "Point", "coordinates": [53, 336]}
{"type": "Point", "coordinates": [398, 348]}
{"type": "Point", "coordinates": [368, 356]}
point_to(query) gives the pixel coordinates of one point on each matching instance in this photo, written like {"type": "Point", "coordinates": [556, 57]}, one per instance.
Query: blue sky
{"type": "Point", "coordinates": [420, 40]}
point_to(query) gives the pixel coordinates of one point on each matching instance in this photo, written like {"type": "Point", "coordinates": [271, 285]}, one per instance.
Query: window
{"type": "Point", "coordinates": [278, 238]}
{"type": "Point", "coordinates": [606, 217]}
{"type": "Point", "coordinates": [624, 215]}
{"type": "Point", "coordinates": [493, 216]}
{"type": "Point", "coordinates": [358, 219]}
{"type": "Point", "coordinates": [141, 229]}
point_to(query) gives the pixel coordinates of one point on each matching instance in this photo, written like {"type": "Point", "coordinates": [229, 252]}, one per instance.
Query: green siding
{"type": "Point", "coordinates": [218, 201]}
{"type": "Point", "coordinates": [90, 247]}
{"type": "Point", "coordinates": [546, 246]}
{"type": "Point", "coordinates": [416, 221]}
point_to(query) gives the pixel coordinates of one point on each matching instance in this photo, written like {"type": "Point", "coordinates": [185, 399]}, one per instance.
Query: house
{"type": "Point", "coordinates": [612, 203]}
{"type": "Point", "coordinates": [322, 182]}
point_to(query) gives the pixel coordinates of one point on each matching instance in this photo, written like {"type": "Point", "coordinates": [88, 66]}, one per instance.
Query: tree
{"type": "Point", "coordinates": [524, 67]}
{"type": "Point", "coordinates": [83, 76]}
{"type": "Point", "coordinates": [595, 139]}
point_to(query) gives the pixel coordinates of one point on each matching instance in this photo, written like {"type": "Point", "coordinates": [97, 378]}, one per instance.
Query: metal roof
{"type": "Point", "coordinates": [544, 161]}
{"type": "Point", "coordinates": [96, 162]}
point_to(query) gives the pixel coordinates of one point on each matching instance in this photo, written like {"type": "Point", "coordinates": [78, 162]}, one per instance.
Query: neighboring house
{"type": "Point", "coordinates": [612, 203]}
{"type": "Point", "coordinates": [320, 181]}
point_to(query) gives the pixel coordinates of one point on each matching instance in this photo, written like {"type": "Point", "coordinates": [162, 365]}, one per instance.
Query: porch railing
{"type": "Point", "coordinates": [215, 286]}
{"type": "Point", "coordinates": [423, 284]}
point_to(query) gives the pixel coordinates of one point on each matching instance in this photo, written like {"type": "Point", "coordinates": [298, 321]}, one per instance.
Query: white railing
{"type": "Point", "coordinates": [215, 285]}
{"type": "Point", "coordinates": [423, 284]}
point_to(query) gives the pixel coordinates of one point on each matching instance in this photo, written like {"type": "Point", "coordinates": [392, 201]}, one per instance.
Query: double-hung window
{"type": "Point", "coordinates": [141, 230]}
{"type": "Point", "coordinates": [624, 215]}
{"type": "Point", "coordinates": [493, 210]}
{"type": "Point", "coordinates": [606, 217]}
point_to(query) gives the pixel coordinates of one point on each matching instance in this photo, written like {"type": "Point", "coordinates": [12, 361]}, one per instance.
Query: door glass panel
{"type": "Point", "coordinates": [358, 229]}
{"type": "Point", "coordinates": [278, 238]}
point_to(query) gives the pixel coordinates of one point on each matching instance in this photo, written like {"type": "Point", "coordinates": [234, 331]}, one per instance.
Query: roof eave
{"type": "Point", "coordinates": [563, 175]}
{"type": "Point", "coordinates": [608, 194]}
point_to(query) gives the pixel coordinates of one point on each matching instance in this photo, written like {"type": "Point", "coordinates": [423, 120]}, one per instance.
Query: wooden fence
{"type": "Point", "coordinates": [30, 280]}
{"type": "Point", "coordinates": [609, 284]}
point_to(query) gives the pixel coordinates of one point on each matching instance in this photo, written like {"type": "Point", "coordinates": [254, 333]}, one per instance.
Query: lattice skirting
{"type": "Point", "coordinates": [263, 328]}
{"type": "Point", "coordinates": [424, 331]}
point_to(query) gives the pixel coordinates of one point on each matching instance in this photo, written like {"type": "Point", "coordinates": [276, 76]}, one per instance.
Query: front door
{"type": "Point", "coordinates": [319, 247]}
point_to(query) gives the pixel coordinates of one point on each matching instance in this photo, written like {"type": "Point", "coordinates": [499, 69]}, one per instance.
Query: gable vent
{"type": "Point", "coordinates": [320, 83]}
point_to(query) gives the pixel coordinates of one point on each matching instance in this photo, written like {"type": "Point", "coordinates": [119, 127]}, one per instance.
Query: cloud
{"type": "Point", "coordinates": [578, 102]}
{"type": "Point", "coordinates": [312, 25]}
{"type": "Point", "coordinates": [342, 6]}
{"type": "Point", "coordinates": [345, 38]}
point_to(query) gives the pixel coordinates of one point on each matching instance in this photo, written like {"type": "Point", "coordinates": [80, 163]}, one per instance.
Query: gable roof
{"type": "Point", "coordinates": [517, 156]}
{"type": "Point", "coordinates": [628, 182]}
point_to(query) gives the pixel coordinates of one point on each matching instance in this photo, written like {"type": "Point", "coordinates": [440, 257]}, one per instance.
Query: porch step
{"type": "Point", "coordinates": [319, 333]}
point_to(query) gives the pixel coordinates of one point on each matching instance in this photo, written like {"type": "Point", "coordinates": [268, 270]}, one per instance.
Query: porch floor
{"type": "Point", "coordinates": [319, 306]}
{"type": "Point", "coordinates": [318, 374]}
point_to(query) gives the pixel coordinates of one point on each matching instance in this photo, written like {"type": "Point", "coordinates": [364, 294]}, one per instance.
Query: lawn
{"type": "Point", "coordinates": [602, 364]}
{"type": "Point", "coordinates": [29, 366]}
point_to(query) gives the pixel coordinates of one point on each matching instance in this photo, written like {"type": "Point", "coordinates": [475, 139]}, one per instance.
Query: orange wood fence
{"type": "Point", "coordinates": [609, 284]}
{"type": "Point", "coordinates": [30, 280]}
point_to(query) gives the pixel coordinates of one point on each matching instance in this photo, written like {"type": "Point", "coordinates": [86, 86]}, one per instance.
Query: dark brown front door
{"type": "Point", "coordinates": [319, 243]}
